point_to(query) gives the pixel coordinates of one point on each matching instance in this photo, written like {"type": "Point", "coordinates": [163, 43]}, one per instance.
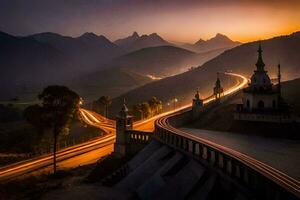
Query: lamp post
{"type": "Point", "coordinates": [175, 100]}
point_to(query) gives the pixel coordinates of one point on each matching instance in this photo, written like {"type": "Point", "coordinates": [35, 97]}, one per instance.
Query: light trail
{"type": "Point", "coordinates": [96, 120]}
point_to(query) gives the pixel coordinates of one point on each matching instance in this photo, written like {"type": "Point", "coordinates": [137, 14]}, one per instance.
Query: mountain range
{"type": "Point", "coordinates": [88, 51]}
{"type": "Point", "coordinates": [216, 43]}
{"type": "Point", "coordinates": [240, 59]}
{"type": "Point", "coordinates": [31, 62]}
{"type": "Point", "coordinates": [136, 42]}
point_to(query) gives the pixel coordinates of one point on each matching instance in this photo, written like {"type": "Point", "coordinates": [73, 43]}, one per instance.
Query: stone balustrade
{"type": "Point", "coordinates": [264, 181]}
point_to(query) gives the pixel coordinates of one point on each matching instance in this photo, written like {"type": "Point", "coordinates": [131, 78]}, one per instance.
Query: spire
{"type": "Point", "coordinates": [260, 63]}
{"type": "Point", "coordinates": [197, 95]}
{"type": "Point", "coordinates": [124, 108]}
{"type": "Point", "coordinates": [279, 83]}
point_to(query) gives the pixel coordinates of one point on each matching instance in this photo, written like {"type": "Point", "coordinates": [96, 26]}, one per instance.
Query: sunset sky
{"type": "Point", "coordinates": [174, 20]}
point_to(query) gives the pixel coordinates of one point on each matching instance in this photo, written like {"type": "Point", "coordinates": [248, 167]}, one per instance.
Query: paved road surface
{"type": "Point", "coordinates": [281, 154]}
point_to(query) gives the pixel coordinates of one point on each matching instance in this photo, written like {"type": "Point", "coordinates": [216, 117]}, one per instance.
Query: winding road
{"type": "Point", "coordinates": [90, 152]}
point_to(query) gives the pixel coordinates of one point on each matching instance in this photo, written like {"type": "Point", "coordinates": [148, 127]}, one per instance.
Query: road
{"type": "Point", "coordinates": [267, 157]}
{"type": "Point", "coordinates": [282, 154]}
{"type": "Point", "coordinates": [93, 150]}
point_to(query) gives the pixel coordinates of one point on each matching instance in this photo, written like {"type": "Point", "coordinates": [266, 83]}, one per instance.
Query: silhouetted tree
{"type": "Point", "coordinates": [155, 105]}
{"type": "Point", "coordinates": [145, 109]}
{"type": "Point", "coordinates": [59, 106]}
{"type": "Point", "coordinates": [105, 101]}
{"type": "Point", "coordinates": [137, 111]}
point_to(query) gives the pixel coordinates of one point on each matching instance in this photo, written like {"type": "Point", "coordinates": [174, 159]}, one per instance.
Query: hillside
{"type": "Point", "coordinates": [137, 68]}
{"type": "Point", "coordinates": [112, 82]}
{"type": "Point", "coordinates": [157, 61]}
{"type": "Point", "coordinates": [162, 61]}
{"type": "Point", "coordinates": [240, 59]}
{"type": "Point", "coordinates": [26, 62]}
{"type": "Point", "coordinates": [88, 51]}
{"type": "Point", "coordinates": [291, 93]}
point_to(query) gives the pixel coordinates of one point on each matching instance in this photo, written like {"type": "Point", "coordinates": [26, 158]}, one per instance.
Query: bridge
{"type": "Point", "coordinates": [259, 177]}
{"type": "Point", "coordinates": [264, 181]}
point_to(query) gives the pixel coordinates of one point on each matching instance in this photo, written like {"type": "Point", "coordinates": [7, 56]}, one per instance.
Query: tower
{"type": "Point", "coordinates": [260, 96]}
{"type": "Point", "coordinates": [197, 105]}
{"type": "Point", "coordinates": [123, 124]}
{"type": "Point", "coordinates": [218, 89]}
{"type": "Point", "coordinates": [260, 81]}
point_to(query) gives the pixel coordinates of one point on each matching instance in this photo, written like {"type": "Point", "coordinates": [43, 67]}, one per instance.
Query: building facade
{"type": "Point", "coordinates": [260, 95]}
{"type": "Point", "coordinates": [262, 100]}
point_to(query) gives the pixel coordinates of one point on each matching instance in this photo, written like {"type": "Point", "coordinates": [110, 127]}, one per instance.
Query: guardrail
{"type": "Point", "coordinates": [265, 181]}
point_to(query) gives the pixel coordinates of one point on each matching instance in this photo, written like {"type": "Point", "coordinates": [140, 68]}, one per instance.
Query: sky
{"type": "Point", "coordinates": [174, 20]}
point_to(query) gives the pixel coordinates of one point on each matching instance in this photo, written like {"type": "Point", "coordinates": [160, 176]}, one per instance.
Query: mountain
{"type": "Point", "coordinates": [136, 42]}
{"type": "Point", "coordinates": [137, 68]}
{"type": "Point", "coordinates": [32, 62]}
{"type": "Point", "coordinates": [125, 42]}
{"type": "Point", "coordinates": [158, 61]}
{"type": "Point", "coordinates": [110, 81]}
{"type": "Point", "coordinates": [163, 61]}
{"type": "Point", "coordinates": [218, 42]}
{"type": "Point", "coordinates": [26, 62]}
{"type": "Point", "coordinates": [240, 59]}
{"type": "Point", "coordinates": [88, 51]}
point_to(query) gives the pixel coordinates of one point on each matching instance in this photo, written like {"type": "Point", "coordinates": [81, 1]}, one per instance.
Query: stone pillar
{"type": "Point", "coordinates": [124, 123]}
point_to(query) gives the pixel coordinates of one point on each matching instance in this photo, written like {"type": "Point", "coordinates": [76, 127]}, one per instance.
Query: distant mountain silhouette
{"type": "Point", "coordinates": [218, 42]}
{"type": "Point", "coordinates": [88, 51]}
{"type": "Point", "coordinates": [49, 58]}
{"type": "Point", "coordinates": [125, 42]}
{"type": "Point", "coordinates": [26, 62]}
{"type": "Point", "coordinates": [136, 42]}
{"type": "Point", "coordinates": [240, 59]}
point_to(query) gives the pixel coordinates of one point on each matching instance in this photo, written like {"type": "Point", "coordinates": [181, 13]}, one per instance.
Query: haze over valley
{"type": "Point", "coordinates": [86, 62]}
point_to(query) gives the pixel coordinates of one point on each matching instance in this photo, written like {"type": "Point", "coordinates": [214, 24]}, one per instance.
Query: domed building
{"type": "Point", "coordinates": [260, 95]}
{"type": "Point", "coordinates": [262, 100]}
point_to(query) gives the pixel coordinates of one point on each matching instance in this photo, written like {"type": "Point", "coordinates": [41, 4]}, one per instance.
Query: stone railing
{"type": "Point", "coordinates": [136, 140]}
{"type": "Point", "coordinates": [138, 137]}
{"type": "Point", "coordinates": [264, 181]}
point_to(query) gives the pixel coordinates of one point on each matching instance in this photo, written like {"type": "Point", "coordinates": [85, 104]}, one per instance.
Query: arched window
{"type": "Point", "coordinates": [260, 105]}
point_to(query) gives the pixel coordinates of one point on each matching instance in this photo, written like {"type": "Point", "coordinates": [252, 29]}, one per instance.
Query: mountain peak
{"type": "Point", "coordinates": [221, 36]}
{"type": "Point", "coordinates": [135, 35]}
{"type": "Point", "coordinates": [154, 35]}
{"type": "Point", "coordinates": [88, 35]}
{"type": "Point", "coordinates": [199, 41]}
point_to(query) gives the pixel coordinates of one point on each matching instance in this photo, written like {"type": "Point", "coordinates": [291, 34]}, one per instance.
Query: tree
{"type": "Point", "coordinates": [145, 109]}
{"type": "Point", "coordinates": [155, 105]}
{"type": "Point", "coordinates": [137, 111]}
{"type": "Point", "coordinates": [59, 106]}
{"type": "Point", "coordinates": [105, 101]}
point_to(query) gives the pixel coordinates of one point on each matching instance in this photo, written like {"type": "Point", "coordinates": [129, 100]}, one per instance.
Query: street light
{"type": "Point", "coordinates": [80, 101]}
{"type": "Point", "coordinates": [175, 100]}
